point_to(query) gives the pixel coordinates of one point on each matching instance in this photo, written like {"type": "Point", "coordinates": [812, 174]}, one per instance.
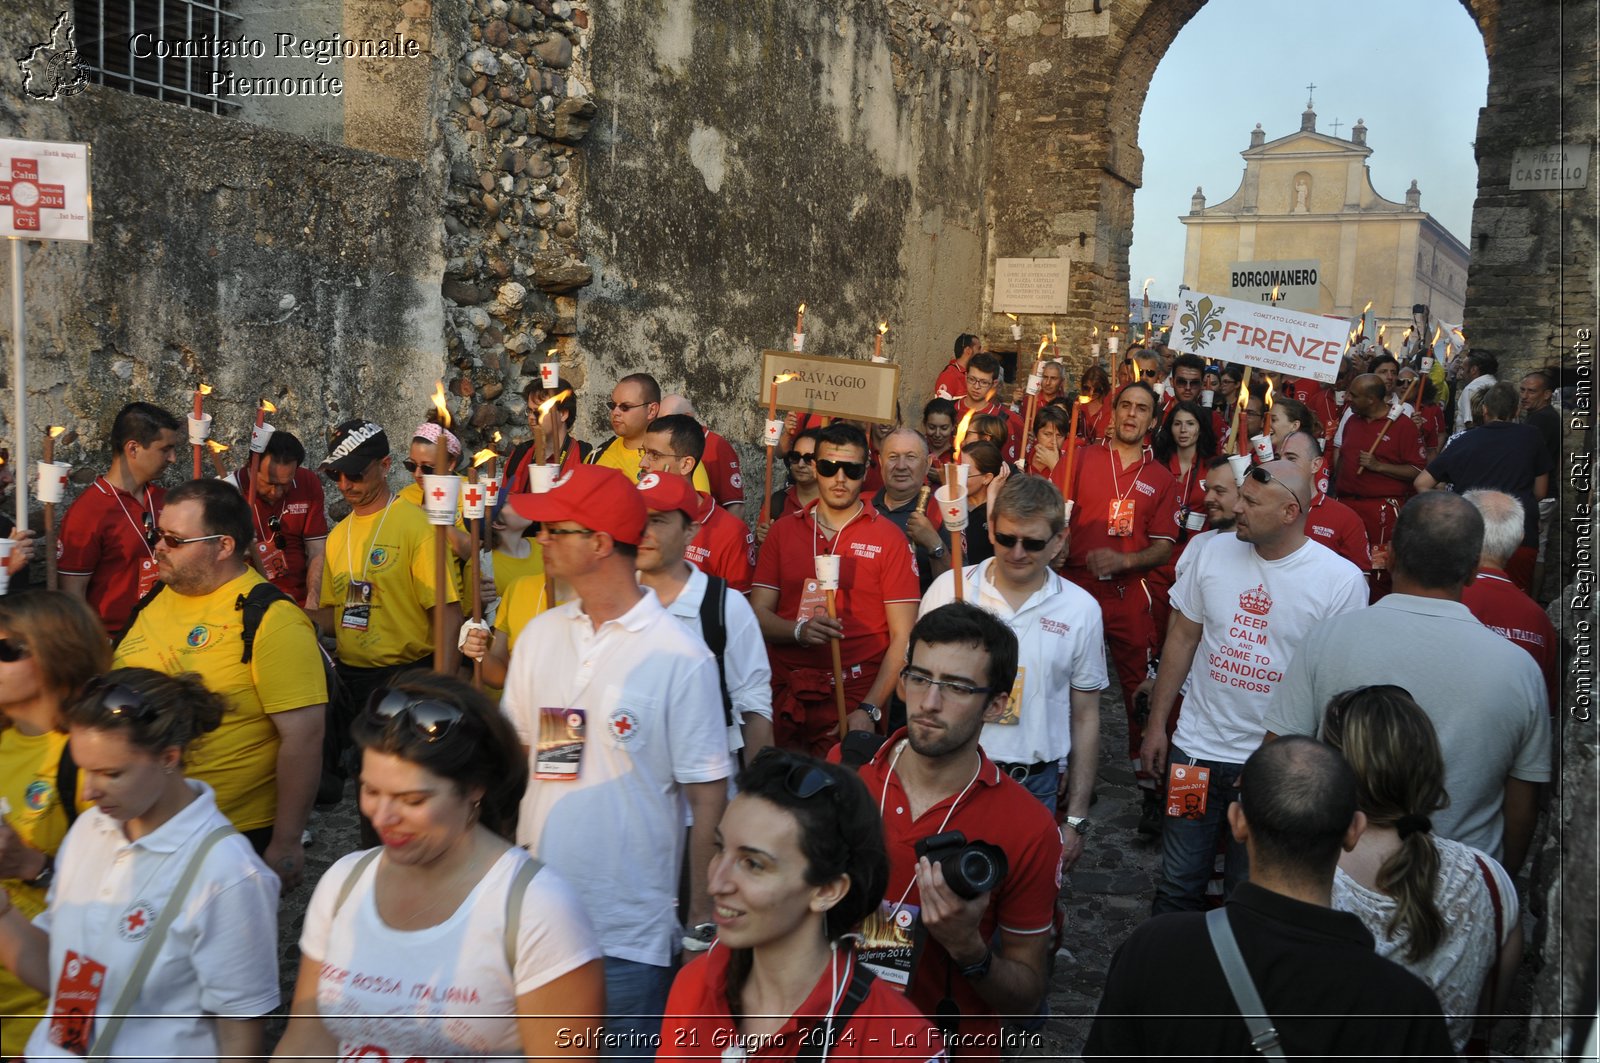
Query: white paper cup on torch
{"type": "Point", "coordinates": [1035, 383]}
{"type": "Point", "coordinates": [549, 374]}
{"type": "Point", "coordinates": [827, 572]}
{"type": "Point", "coordinates": [6, 546]}
{"type": "Point", "coordinates": [880, 359]}
{"type": "Point", "coordinates": [440, 495]}
{"type": "Point", "coordinates": [541, 478]}
{"type": "Point", "coordinates": [953, 510]}
{"type": "Point", "coordinates": [1066, 508]}
{"type": "Point", "coordinates": [1262, 445]}
{"type": "Point", "coordinates": [773, 432]}
{"type": "Point", "coordinates": [1208, 398]}
{"type": "Point", "coordinates": [1427, 364]}
{"type": "Point", "coordinates": [199, 430]}
{"type": "Point", "coordinates": [1240, 463]}
{"type": "Point", "coordinates": [472, 506]}
{"type": "Point", "coordinates": [797, 342]}
{"type": "Point", "coordinates": [1114, 344]}
{"type": "Point", "coordinates": [491, 491]}
{"type": "Point", "coordinates": [1395, 411]}
{"type": "Point", "coordinates": [259, 434]}
{"type": "Point", "coordinates": [1338, 398]}
{"type": "Point", "coordinates": [52, 481]}
{"type": "Point", "coordinates": [1016, 332]}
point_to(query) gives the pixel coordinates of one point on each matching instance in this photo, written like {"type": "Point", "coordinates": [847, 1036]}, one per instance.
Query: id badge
{"type": "Point", "coordinates": [357, 613]}
{"type": "Point", "coordinates": [888, 942]}
{"type": "Point", "coordinates": [77, 997]}
{"type": "Point", "coordinates": [1013, 714]}
{"type": "Point", "coordinates": [1187, 787]}
{"type": "Point", "coordinates": [813, 601]}
{"type": "Point", "coordinates": [271, 560]}
{"type": "Point", "coordinates": [147, 576]}
{"type": "Point", "coordinates": [561, 736]}
{"type": "Point", "coordinates": [1119, 521]}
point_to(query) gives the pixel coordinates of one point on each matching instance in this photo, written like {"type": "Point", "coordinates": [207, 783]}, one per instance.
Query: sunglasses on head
{"type": "Point", "coordinates": [120, 701]}
{"type": "Point", "coordinates": [806, 781]}
{"type": "Point", "coordinates": [13, 650]}
{"type": "Point", "coordinates": [1006, 542]}
{"type": "Point", "coordinates": [1262, 475]}
{"type": "Point", "coordinates": [854, 470]}
{"type": "Point", "coordinates": [432, 720]}
{"type": "Point", "coordinates": [413, 466]}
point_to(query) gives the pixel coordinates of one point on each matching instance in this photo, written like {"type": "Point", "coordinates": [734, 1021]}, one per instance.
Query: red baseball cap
{"type": "Point", "coordinates": [595, 496]}
{"type": "Point", "coordinates": [665, 492]}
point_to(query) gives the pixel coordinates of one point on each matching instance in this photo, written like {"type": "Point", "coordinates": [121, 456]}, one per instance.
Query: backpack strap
{"type": "Point", "coordinates": [1263, 1035]}
{"type": "Point", "coordinates": [67, 783]}
{"type": "Point", "coordinates": [519, 889]}
{"type": "Point", "coordinates": [138, 608]}
{"type": "Point", "coordinates": [349, 882]}
{"type": "Point", "coordinates": [714, 629]}
{"type": "Point", "coordinates": [1499, 929]}
{"type": "Point", "coordinates": [254, 606]}
{"type": "Point", "coordinates": [99, 1051]}
{"type": "Point", "coordinates": [818, 1041]}
{"type": "Point", "coordinates": [598, 452]}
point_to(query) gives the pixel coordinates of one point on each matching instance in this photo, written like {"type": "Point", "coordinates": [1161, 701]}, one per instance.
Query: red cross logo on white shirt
{"type": "Point", "coordinates": [135, 919]}
{"type": "Point", "coordinates": [27, 197]}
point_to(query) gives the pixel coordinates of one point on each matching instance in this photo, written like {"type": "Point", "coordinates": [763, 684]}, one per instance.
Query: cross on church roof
{"type": "Point", "coordinates": [1336, 125]}
{"type": "Point", "coordinates": [1311, 88]}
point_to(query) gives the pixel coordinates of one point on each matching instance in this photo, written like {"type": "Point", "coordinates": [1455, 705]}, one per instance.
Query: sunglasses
{"type": "Point", "coordinates": [624, 407]}
{"type": "Point", "coordinates": [413, 466]}
{"type": "Point", "coordinates": [119, 701]}
{"type": "Point", "coordinates": [1263, 475]}
{"type": "Point", "coordinates": [336, 476]}
{"type": "Point", "coordinates": [794, 457]}
{"type": "Point", "coordinates": [275, 527]}
{"type": "Point", "coordinates": [173, 541]}
{"type": "Point", "coordinates": [13, 650]}
{"type": "Point", "coordinates": [1006, 542]}
{"type": "Point", "coordinates": [806, 781]}
{"type": "Point", "coordinates": [854, 470]}
{"type": "Point", "coordinates": [917, 682]}
{"type": "Point", "coordinates": [431, 720]}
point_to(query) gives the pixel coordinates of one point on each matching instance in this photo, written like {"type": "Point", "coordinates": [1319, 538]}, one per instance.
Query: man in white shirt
{"type": "Point", "coordinates": [1480, 372]}
{"type": "Point", "coordinates": [619, 710]}
{"type": "Point", "coordinates": [1239, 614]}
{"type": "Point", "coordinates": [745, 675]}
{"type": "Point", "coordinates": [1054, 712]}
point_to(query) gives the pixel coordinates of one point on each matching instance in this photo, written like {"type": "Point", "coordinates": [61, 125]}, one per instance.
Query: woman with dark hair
{"type": "Point", "coordinates": [1443, 910]}
{"type": "Point", "coordinates": [1094, 420]}
{"type": "Point", "coordinates": [800, 862]}
{"type": "Point", "coordinates": [1290, 415]}
{"type": "Point", "coordinates": [51, 644]}
{"type": "Point", "coordinates": [1186, 442]}
{"type": "Point", "coordinates": [493, 951]}
{"type": "Point", "coordinates": [939, 429]}
{"type": "Point", "coordinates": [160, 911]}
{"type": "Point", "coordinates": [1051, 426]}
{"type": "Point", "coordinates": [802, 489]}
{"type": "Point", "coordinates": [984, 467]}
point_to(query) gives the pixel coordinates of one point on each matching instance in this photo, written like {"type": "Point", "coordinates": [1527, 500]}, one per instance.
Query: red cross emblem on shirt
{"type": "Point", "coordinates": [438, 494]}
{"type": "Point", "coordinates": [26, 196]}
{"type": "Point", "coordinates": [135, 919]}
{"type": "Point", "coordinates": [623, 725]}
{"type": "Point", "coordinates": [472, 496]}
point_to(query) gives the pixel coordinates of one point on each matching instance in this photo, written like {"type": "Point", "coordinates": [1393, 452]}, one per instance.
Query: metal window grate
{"type": "Point", "coordinates": [111, 32]}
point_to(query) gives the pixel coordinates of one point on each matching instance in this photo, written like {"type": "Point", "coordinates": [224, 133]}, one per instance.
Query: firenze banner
{"type": "Point", "coordinates": [1220, 329]}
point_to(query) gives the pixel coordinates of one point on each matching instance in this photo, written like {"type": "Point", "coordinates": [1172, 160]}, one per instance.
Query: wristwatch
{"type": "Point", "coordinates": [42, 879]}
{"type": "Point", "coordinates": [699, 937]}
{"type": "Point", "coordinates": [1079, 824]}
{"type": "Point", "coordinates": [871, 710]}
{"type": "Point", "coordinates": [974, 972]}
{"type": "Point", "coordinates": [938, 552]}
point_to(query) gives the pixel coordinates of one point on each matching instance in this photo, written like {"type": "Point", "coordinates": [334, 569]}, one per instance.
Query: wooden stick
{"type": "Point", "coordinates": [199, 411]}
{"type": "Point", "coordinates": [473, 576]}
{"type": "Point", "coordinates": [441, 550]}
{"type": "Point", "coordinates": [838, 668]}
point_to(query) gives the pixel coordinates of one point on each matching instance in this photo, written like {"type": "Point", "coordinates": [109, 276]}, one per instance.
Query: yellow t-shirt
{"type": "Point", "coordinates": [28, 766]}
{"type": "Point", "coordinates": [239, 760]}
{"type": "Point", "coordinates": [391, 549]}
{"type": "Point", "coordinates": [522, 601]}
{"type": "Point", "coordinates": [508, 569]}
{"type": "Point", "coordinates": [626, 460]}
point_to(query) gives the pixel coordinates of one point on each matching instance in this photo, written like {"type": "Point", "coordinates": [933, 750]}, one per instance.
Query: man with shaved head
{"type": "Point", "coordinates": [1240, 613]}
{"type": "Point", "coordinates": [903, 461]}
{"type": "Point", "coordinates": [1376, 485]}
{"type": "Point", "coordinates": [1329, 521]}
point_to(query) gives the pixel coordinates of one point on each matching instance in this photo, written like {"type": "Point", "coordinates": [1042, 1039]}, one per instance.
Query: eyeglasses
{"type": "Point", "coordinates": [432, 720]}
{"type": "Point", "coordinates": [173, 541]}
{"type": "Point", "coordinates": [624, 407]}
{"type": "Point", "coordinates": [120, 701]}
{"type": "Point", "coordinates": [1262, 475]}
{"type": "Point", "coordinates": [13, 650]}
{"type": "Point", "coordinates": [794, 457]}
{"type": "Point", "coordinates": [656, 455]}
{"type": "Point", "coordinates": [1006, 542]}
{"type": "Point", "coordinates": [917, 682]}
{"type": "Point", "coordinates": [854, 470]}
{"type": "Point", "coordinates": [413, 466]}
{"type": "Point", "coordinates": [567, 531]}
{"type": "Point", "coordinates": [339, 475]}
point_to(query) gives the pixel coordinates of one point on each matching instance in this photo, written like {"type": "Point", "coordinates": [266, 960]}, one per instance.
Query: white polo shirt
{"type": "Point", "coordinates": [744, 658]}
{"type": "Point", "coordinates": [219, 958]}
{"type": "Point", "coordinates": [1060, 649]}
{"type": "Point", "coordinates": [649, 716]}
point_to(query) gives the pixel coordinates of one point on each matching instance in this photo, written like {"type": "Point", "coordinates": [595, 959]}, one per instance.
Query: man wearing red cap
{"type": "Point", "coordinates": [876, 601]}
{"type": "Point", "coordinates": [605, 804]}
{"type": "Point", "coordinates": [712, 611]}
{"type": "Point", "coordinates": [722, 545]}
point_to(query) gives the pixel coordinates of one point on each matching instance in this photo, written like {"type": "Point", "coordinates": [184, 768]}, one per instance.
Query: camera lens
{"type": "Point", "coordinates": [977, 868]}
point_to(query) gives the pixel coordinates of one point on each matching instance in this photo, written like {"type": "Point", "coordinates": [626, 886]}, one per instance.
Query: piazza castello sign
{"type": "Point", "coordinates": [1556, 167]}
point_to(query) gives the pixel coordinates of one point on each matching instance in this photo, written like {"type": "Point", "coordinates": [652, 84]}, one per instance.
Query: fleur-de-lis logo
{"type": "Point", "coordinates": [1200, 323]}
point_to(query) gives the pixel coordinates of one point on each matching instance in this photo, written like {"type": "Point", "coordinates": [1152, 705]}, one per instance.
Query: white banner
{"type": "Point", "coordinates": [1266, 337]}
{"type": "Point", "coordinates": [44, 190]}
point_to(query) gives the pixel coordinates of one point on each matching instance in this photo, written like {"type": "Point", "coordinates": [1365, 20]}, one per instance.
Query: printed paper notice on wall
{"type": "Point", "coordinates": [44, 190]}
{"type": "Point", "coordinates": [1030, 285]}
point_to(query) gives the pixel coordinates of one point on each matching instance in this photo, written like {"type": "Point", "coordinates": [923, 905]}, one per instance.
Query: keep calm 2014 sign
{"type": "Point", "coordinates": [1266, 337]}
{"type": "Point", "coordinates": [832, 387]}
{"type": "Point", "coordinates": [44, 190]}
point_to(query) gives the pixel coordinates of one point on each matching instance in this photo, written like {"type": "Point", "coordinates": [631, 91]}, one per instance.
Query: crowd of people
{"type": "Point", "coordinates": [803, 781]}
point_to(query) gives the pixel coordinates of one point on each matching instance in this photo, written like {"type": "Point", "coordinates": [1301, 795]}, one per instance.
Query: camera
{"type": "Point", "coordinates": [970, 868]}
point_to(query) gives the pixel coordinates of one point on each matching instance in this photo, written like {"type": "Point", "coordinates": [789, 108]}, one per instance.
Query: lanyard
{"type": "Point", "coordinates": [139, 533]}
{"type": "Point", "coordinates": [248, 490]}
{"type": "Point", "coordinates": [883, 799]}
{"type": "Point", "coordinates": [349, 562]}
{"type": "Point", "coordinates": [1116, 476]}
{"type": "Point", "coordinates": [838, 533]}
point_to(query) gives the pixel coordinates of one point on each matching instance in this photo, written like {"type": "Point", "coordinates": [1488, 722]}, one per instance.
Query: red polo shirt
{"type": "Point", "coordinates": [877, 567]}
{"type": "Point", "coordinates": [724, 546]}
{"type": "Point", "coordinates": [995, 809]}
{"type": "Point", "coordinates": [1511, 614]}
{"type": "Point", "coordinates": [1402, 445]}
{"type": "Point", "coordinates": [1320, 401]}
{"type": "Point", "coordinates": [952, 382]}
{"type": "Point", "coordinates": [1336, 526]}
{"type": "Point", "coordinates": [722, 466]}
{"type": "Point", "coordinates": [103, 537]}
{"type": "Point", "coordinates": [1095, 427]}
{"type": "Point", "coordinates": [1100, 479]}
{"type": "Point", "coordinates": [298, 518]}
{"type": "Point", "coordinates": [1432, 425]}
{"type": "Point", "coordinates": [1013, 426]}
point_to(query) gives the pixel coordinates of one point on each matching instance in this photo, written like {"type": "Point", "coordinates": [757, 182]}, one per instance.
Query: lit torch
{"type": "Point", "coordinates": [538, 424]}
{"type": "Point", "coordinates": [51, 574]}
{"type": "Point", "coordinates": [774, 430]}
{"type": "Point", "coordinates": [199, 417]}
{"type": "Point", "coordinates": [443, 657]}
{"type": "Point", "coordinates": [877, 350]}
{"type": "Point", "coordinates": [257, 445]}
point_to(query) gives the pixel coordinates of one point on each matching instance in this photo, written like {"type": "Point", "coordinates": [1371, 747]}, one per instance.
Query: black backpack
{"type": "Point", "coordinates": [714, 629]}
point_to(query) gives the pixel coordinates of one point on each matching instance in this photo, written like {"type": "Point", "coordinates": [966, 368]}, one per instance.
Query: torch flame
{"type": "Point", "coordinates": [1438, 330]}
{"type": "Point", "coordinates": [545, 406]}
{"type": "Point", "coordinates": [883, 327]}
{"type": "Point", "coordinates": [1052, 332]}
{"type": "Point", "coordinates": [266, 404]}
{"type": "Point", "coordinates": [802, 308]}
{"type": "Point", "coordinates": [1135, 363]}
{"type": "Point", "coordinates": [1043, 343]}
{"type": "Point", "coordinates": [1147, 282]}
{"type": "Point", "coordinates": [961, 432]}
{"type": "Point", "coordinates": [482, 456]}
{"type": "Point", "coordinates": [782, 377]}
{"type": "Point", "coordinates": [1274, 296]}
{"type": "Point", "coordinates": [56, 430]}
{"type": "Point", "coordinates": [1013, 317]}
{"type": "Point", "coordinates": [204, 389]}
{"type": "Point", "coordinates": [1266, 401]}
{"type": "Point", "coordinates": [1381, 330]}
{"type": "Point", "coordinates": [497, 437]}
{"type": "Point", "coordinates": [438, 404]}
{"type": "Point", "coordinates": [1459, 335]}
{"type": "Point", "coordinates": [1364, 309]}
{"type": "Point", "coordinates": [1116, 328]}
{"type": "Point", "coordinates": [1084, 400]}
{"type": "Point", "coordinates": [216, 448]}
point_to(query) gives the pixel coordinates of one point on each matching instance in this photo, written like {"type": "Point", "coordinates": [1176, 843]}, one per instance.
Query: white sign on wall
{"type": "Point", "coordinates": [1555, 167]}
{"type": "Point", "coordinates": [44, 190]}
{"type": "Point", "coordinates": [1295, 279]}
{"type": "Point", "coordinates": [1160, 312]}
{"type": "Point", "coordinates": [1030, 285]}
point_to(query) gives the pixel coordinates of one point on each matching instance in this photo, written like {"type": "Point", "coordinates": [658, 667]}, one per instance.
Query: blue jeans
{"type": "Point", "coordinates": [636, 996]}
{"type": "Point", "coordinates": [1189, 846]}
{"type": "Point", "coordinates": [1043, 785]}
